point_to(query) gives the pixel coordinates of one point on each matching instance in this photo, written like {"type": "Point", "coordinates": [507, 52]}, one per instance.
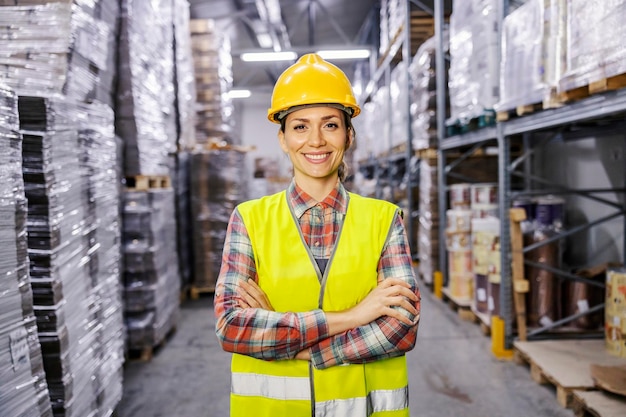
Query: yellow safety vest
{"type": "Point", "coordinates": [290, 277]}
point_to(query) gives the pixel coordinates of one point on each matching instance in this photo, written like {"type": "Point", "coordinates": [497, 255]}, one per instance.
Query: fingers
{"type": "Point", "coordinates": [253, 295]}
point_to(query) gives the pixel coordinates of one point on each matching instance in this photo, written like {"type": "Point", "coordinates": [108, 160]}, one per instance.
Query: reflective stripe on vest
{"type": "Point", "coordinates": [377, 401]}
{"type": "Point", "coordinates": [277, 387]}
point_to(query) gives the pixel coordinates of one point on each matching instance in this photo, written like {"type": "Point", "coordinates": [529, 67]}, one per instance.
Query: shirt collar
{"type": "Point", "coordinates": [337, 199]}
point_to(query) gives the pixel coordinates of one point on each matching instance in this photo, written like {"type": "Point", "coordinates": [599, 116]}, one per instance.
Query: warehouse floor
{"type": "Point", "coordinates": [451, 370]}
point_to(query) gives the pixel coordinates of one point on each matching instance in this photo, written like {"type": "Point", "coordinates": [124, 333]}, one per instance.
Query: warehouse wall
{"type": "Point", "coordinates": [589, 163]}
{"type": "Point", "coordinates": [257, 131]}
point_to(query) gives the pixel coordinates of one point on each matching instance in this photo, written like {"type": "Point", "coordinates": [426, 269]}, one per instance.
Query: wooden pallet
{"type": "Point", "coordinates": [463, 307]}
{"type": "Point", "coordinates": [598, 404]}
{"type": "Point", "coordinates": [147, 353]}
{"type": "Point", "coordinates": [564, 363]}
{"type": "Point", "coordinates": [148, 182]}
{"type": "Point", "coordinates": [605, 84]}
{"type": "Point", "coordinates": [195, 292]}
{"type": "Point", "coordinates": [484, 320]}
{"type": "Point", "coordinates": [551, 101]}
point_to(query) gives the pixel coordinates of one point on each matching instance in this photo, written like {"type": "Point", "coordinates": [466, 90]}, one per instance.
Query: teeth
{"type": "Point", "coordinates": [318, 156]}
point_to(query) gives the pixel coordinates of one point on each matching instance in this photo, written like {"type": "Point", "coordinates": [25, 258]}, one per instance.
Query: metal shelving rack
{"type": "Point", "coordinates": [384, 167]}
{"type": "Point", "coordinates": [554, 121]}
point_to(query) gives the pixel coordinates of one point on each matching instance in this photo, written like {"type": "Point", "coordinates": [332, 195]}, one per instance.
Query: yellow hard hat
{"type": "Point", "coordinates": [311, 80]}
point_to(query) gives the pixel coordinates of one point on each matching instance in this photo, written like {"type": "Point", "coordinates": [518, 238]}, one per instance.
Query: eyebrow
{"type": "Point", "coordinates": [324, 118]}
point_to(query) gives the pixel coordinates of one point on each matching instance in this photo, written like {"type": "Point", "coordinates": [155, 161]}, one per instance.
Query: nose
{"type": "Point", "coordinates": [316, 138]}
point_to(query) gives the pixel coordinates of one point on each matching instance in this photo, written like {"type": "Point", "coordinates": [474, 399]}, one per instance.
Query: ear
{"type": "Point", "coordinates": [349, 138]}
{"type": "Point", "coordinates": [281, 141]}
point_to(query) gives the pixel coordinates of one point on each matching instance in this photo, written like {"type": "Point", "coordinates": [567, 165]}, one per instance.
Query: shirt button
{"type": "Point", "coordinates": [317, 243]}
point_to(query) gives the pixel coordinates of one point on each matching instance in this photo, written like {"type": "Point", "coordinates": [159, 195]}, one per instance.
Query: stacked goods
{"type": "Point", "coordinates": [217, 186]}
{"type": "Point", "coordinates": [185, 82]}
{"type": "Point", "coordinates": [615, 311]}
{"type": "Point", "coordinates": [392, 16]}
{"type": "Point", "coordinates": [181, 183]}
{"type": "Point", "coordinates": [595, 49]}
{"type": "Point", "coordinates": [364, 126]}
{"type": "Point", "coordinates": [486, 264]}
{"type": "Point", "coordinates": [58, 250]}
{"type": "Point", "coordinates": [151, 278]}
{"type": "Point", "coordinates": [66, 50]}
{"type": "Point", "coordinates": [544, 300]}
{"type": "Point", "coordinates": [99, 156]}
{"type": "Point", "coordinates": [474, 59]}
{"type": "Point", "coordinates": [533, 54]}
{"type": "Point", "coordinates": [145, 118]}
{"type": "Point", "coordinates": [458, 245]}
{"type": "Point", "coordinates": [22, 377]}
{"type": "Point", "coordinates": [423, 96]}
{"type": "Point", "coordinates": [428, 227]}
{"type": "Point", "coordinates": [52, 47]}
{"type": "Point", "coordinates": [399, 102]}
{"type": "Point", "coordinates": [214, 78]}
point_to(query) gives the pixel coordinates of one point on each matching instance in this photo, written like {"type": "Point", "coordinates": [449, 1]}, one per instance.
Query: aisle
{"type": "Point", "coordinates": [452, 373]}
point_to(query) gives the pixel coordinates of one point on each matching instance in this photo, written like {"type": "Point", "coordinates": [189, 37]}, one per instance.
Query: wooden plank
{"type": "Point", "coordinates": [567, 362]}
{"type": "Point", "coordinates": [610, 378]}
{"type": "Point", "coordinates": [597, 404]}
{"type": "Point", "coordinates": [516, 216]}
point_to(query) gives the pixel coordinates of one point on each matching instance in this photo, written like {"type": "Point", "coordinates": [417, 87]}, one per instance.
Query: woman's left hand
{"type": "Point", "coordinates": [252, 296]}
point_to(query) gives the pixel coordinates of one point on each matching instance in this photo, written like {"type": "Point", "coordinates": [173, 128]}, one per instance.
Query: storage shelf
{"type": "Point", "coordinates": [594, 107]}
{"type": "Point", "coordinates": [470, 138]}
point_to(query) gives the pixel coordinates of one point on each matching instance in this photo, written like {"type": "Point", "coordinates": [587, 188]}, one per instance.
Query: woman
{"type": "Point", "coordinates": [317, 297]}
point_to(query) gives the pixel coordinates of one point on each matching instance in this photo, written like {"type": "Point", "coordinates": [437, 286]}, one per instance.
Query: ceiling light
{"type": "Point", "coordinates": [268, 56]}
{"type": "Point", "coordinates": [239, 94]}
{"type": "Point", "coordinates": [345, 54]}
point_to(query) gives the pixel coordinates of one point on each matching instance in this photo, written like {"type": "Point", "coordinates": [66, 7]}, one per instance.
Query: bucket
{"type": "Point", "coordinates": [460, 195]}
{"type": "Point", "coordinates": [549, 211]}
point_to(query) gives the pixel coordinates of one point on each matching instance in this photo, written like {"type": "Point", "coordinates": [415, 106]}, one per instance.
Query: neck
{"type": "Point", "coordinates": [317, 188]}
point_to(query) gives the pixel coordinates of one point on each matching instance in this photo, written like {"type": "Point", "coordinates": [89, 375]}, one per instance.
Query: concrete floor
{"type": "Point", "coordinates": [452, 372]}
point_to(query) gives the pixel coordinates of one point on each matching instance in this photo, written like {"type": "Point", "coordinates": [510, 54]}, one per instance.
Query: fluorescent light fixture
{"type": "Point", "coordinates": [268, 56]}
{"type": "Point", "coordinates": [345, 54]}
{"type": "Point", "coordinates": [239, 93]}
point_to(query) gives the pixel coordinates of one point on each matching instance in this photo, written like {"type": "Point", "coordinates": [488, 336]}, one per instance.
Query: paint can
{"type": "Point", "coordinates": [549, 211]}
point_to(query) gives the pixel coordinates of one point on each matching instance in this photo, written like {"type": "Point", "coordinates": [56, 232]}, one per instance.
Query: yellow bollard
{"type": "Point", "coordinates": [438, 284]}
{"type": "Point", "coordinates": [497, 339]}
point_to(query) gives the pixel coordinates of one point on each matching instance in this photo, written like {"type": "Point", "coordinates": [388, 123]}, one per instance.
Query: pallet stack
{"type": "Point", "coordinates": [22, 377]}
{"type": "Point", "coordinates": [58, 56]}
{"type": "Point", "coordinates": [147, 121]}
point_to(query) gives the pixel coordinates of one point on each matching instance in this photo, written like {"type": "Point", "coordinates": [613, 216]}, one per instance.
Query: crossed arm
{"type": "Point", "coordinates": [383, 325]}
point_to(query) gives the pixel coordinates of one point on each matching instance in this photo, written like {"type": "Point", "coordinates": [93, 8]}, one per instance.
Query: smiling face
{"type": "Point", "coordinates": [315, 139]}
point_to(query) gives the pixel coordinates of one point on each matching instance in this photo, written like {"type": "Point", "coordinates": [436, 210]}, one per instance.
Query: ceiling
{"type": "Point", "coordinates": [298, 25]}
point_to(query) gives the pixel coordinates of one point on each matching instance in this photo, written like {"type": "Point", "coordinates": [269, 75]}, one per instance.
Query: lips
{"type": "Point", "coordinates": [317, 157]}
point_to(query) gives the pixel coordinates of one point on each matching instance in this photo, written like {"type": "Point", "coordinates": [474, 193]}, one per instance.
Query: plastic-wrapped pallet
{"type": "Point", "coordinates": [595, 48]}
{"type": "Point", "coordinates": [22, 377]}
{"type": "Point", "coordinates": [423, 94]}
{"type": "Point", "coordinates": [183, 216]}
{"type": "Point", "coordinates": [58, 252]}
{"type": "Point", "coordinates": [146, 119]}
{"type": "Point", "coordinates": [67, 48]}
{"type": "Point", "coordinates": [428, 226]}
{"type": "Point", "coordinates": [214, 78]}
{"type": "Point", "coordinates": [532, 54]}
{"type": "Point", "coordinates": [398, 88]}
{"type": "Point", "coordinates": [185, 80]}
{"type": "Point", "coordinates": [152, 280]}
{"type": "Point", "coordinates": [474, 59]}
{"type": "Point", "coordinates": [98, 148]}
{"type": "Point", "coordinates": [217, 186]}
